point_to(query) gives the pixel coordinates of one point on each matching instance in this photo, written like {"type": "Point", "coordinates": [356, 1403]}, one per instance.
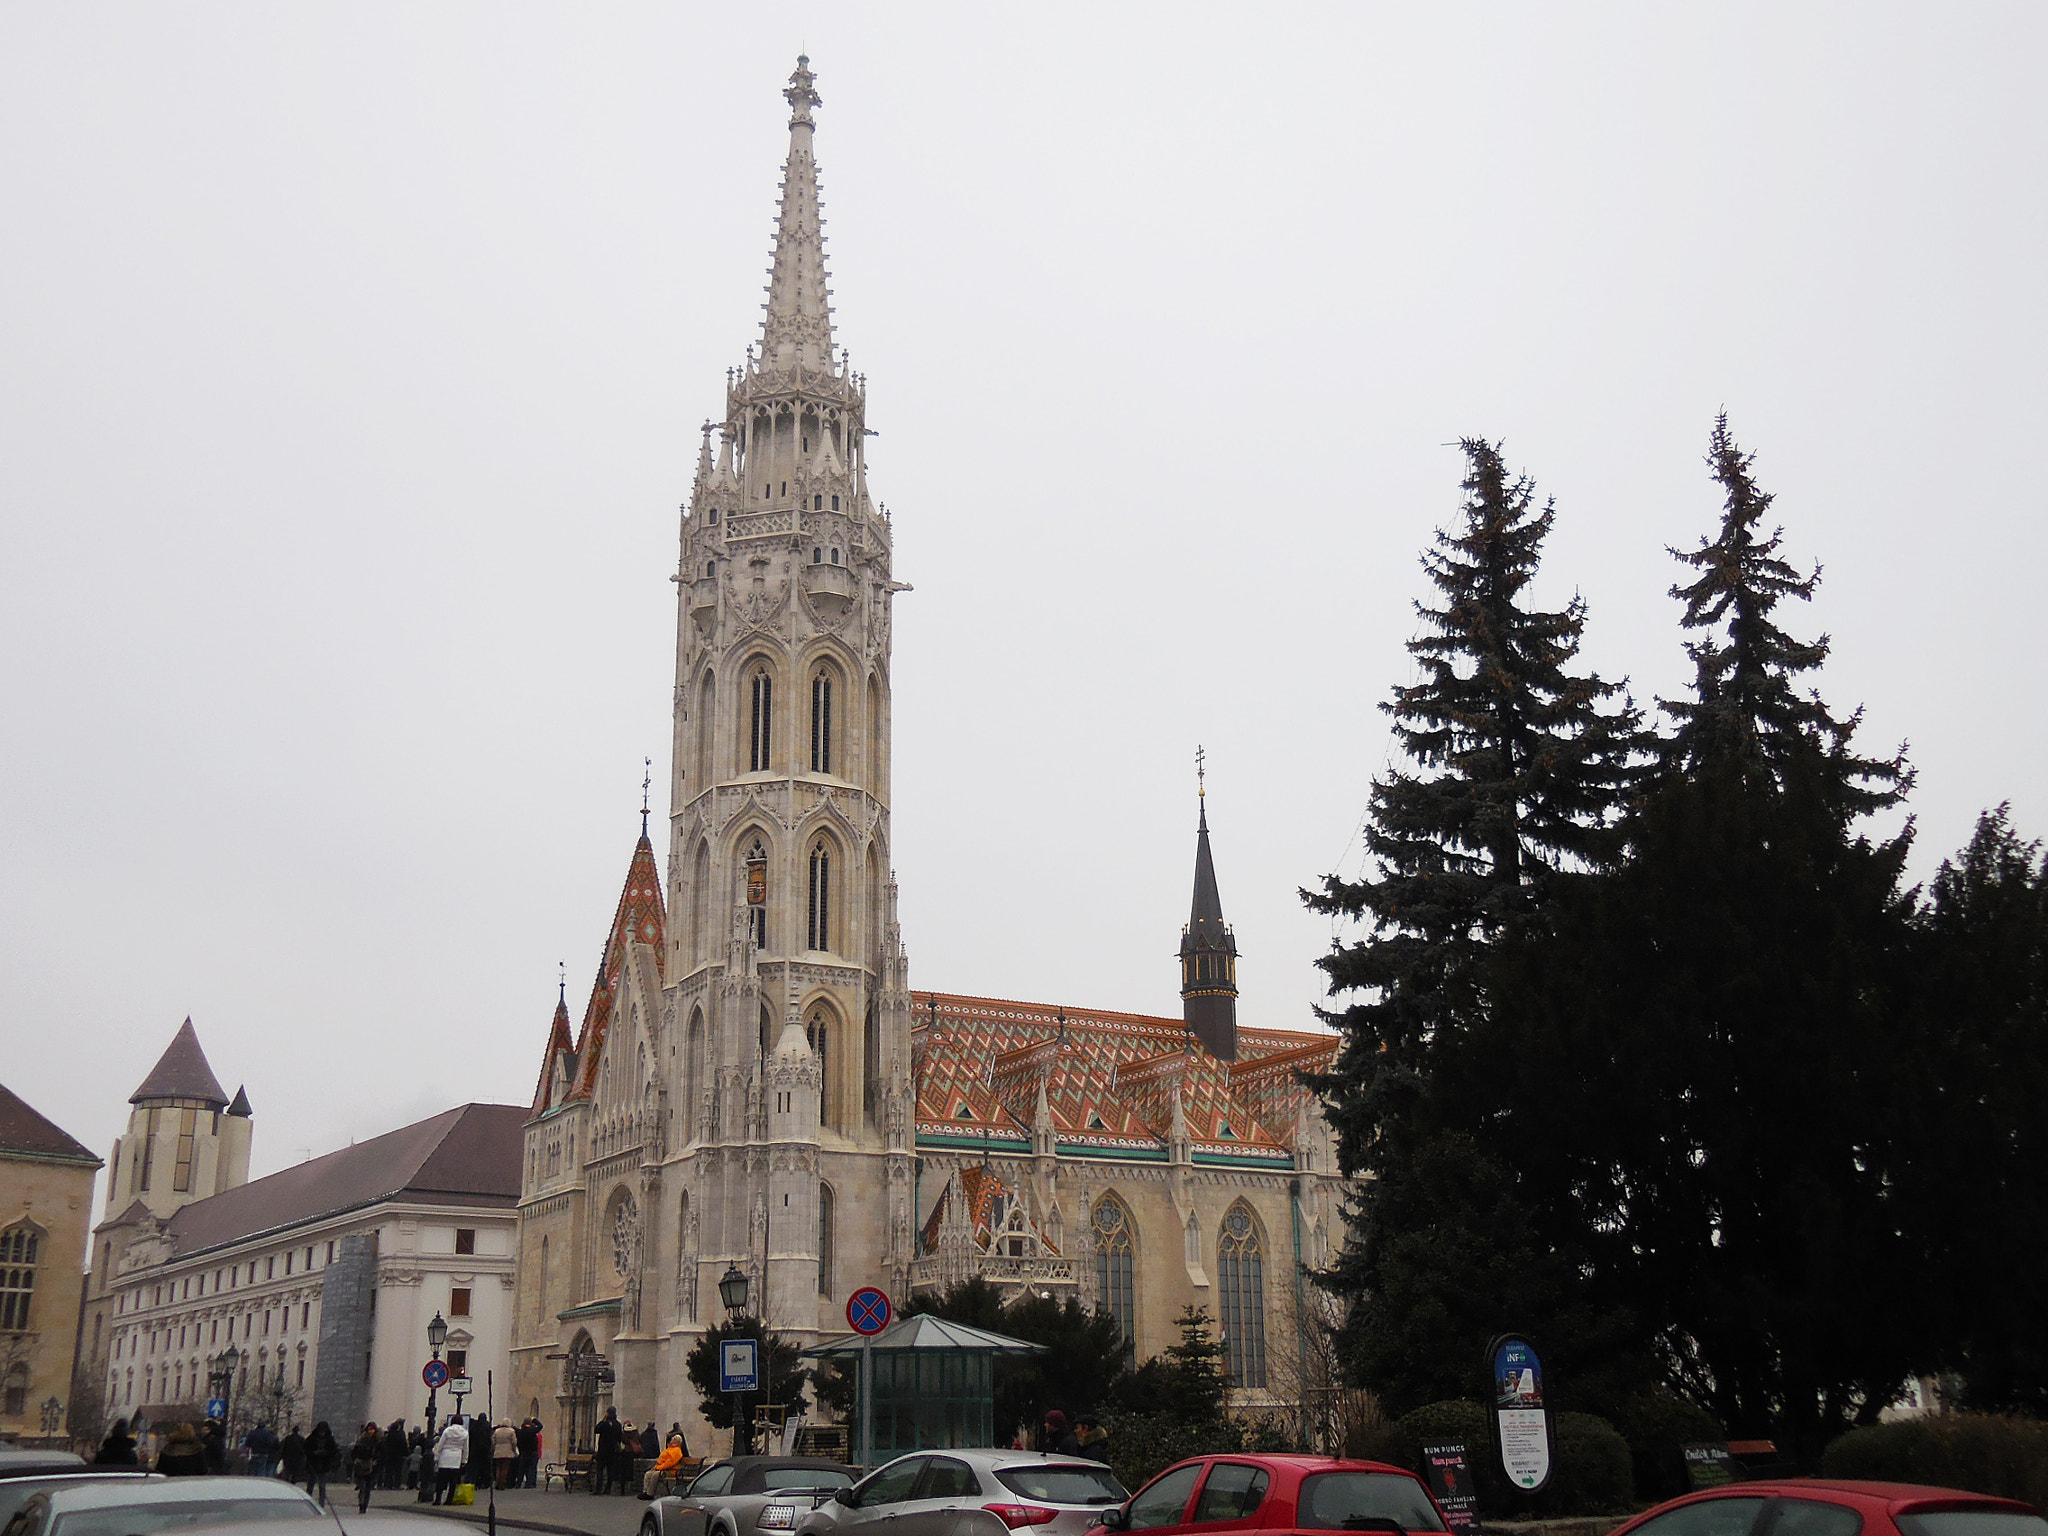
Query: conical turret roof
{"type": "Point", "coordinates": [182, 1072]}
{"type": "Point", "coordinates": [797, 331]}
{"type": "Point", "coordinates": [1206, 927]}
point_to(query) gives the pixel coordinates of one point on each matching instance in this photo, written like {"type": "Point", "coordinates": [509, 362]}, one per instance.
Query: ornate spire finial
{"type": "Point", "coordinates": [562, 985]}
{"type": "Point", "coordinates": [801, 94]}
{"type": "Point", "coordinates": [1201, 786]}
{"type": "Point", "coordinates": [646, 785]}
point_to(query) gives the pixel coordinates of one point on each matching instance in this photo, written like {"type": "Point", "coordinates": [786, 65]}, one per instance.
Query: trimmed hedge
{"type": "Point", "coordinates": [1656, 1424]}
{"type": "Point", "coordinates": [1980, 1452]}
{"type": "Point", "coordinates": [1594, 1475]}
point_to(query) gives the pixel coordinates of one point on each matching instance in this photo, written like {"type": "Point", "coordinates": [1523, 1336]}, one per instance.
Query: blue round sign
{"type": "Point", "coordinates": [436, 1374]}
{"type": "Point", "coordinates": [867, 1309]}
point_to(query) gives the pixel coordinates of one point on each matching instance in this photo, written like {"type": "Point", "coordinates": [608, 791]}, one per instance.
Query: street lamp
{"type": "Point", "coordinates": [223, 1382]}
{"type": "Point", "coordinates": [53, 1418]}
{"type": "Point", "coordinates": [732, 1290]}
{"type": "Point", "coordinates": [437, 1335]}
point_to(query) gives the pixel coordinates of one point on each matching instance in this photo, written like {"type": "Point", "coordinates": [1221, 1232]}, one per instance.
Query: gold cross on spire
{"type": "Point", "coordinates": [1201, 787]}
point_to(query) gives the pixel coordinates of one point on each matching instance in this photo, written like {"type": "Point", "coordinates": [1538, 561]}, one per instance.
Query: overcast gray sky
{"type": "Point", "coordinates": [351, 358]}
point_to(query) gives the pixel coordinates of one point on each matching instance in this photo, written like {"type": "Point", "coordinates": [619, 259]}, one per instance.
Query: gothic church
{"type": "Point", "coordinates": [754, 1083]}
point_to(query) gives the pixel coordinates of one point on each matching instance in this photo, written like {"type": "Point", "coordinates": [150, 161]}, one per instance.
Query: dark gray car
{"type": "Point", "coordinates": [728, 1497]}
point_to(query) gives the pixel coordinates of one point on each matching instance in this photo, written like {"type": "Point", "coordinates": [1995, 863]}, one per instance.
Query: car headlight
{"type": "Point", "coordinates": [777, 1517]}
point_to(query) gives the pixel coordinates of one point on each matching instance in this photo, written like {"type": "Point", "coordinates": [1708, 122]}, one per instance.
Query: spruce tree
{"type": "Point", "coordinates": [1520, 768]}
{"type": "Point", "coordinates": [1516, 770]}
{"type": "Point", "coordinates": [1746, 703]}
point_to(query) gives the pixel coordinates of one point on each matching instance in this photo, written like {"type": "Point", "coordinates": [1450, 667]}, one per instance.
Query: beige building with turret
{"type": "Point", "coordinates": [46, 1182]}
{"type": "Point", "coordinates": [754, 1084]}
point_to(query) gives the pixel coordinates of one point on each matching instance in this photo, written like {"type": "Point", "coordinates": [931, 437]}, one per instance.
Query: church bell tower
{"type": "Point", "coordinates": [1208, 956]}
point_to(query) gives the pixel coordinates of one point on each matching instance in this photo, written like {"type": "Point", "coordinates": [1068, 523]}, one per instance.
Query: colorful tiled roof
{"type": "Point", "coordinates": [560, 1044]}
{"type": "Point", "coordinates": [1109, 1078]}
{"type": "Point", "coordinates": [639, 920]}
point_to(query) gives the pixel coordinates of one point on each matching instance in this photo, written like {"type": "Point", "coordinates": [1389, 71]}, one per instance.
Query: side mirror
{"type": "Point", "coordinates": [1116, 1518]}
{"type": "Point", "coordinates": [846, 1496]}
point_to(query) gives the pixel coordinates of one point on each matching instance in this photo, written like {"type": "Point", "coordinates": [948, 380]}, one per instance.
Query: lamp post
{"type": "Point", "coordinates": [437, 1335]}
{"type": "Point", "coordinates": [223, 1381]}
{"type": "Point", "coordinates": [53, 1418]}
{"type": "Point", "coordinates": [732, 1290]}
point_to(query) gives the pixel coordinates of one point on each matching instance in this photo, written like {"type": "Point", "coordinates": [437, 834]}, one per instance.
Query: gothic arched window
{"type": "Point", "coordinates": [757, 893]}
{"type": "Point", "coordinates": [821, 723]}
{"type": "Point", "coordinates": [760, 722]}
{"type": "Point", "coordinates": [1113, 1290]}
{"type": "Point", "coordinates": [1241, 1276]}
{"type": "Point", "coordinates": [819, 1033]}
{"type": "Point", "coordinates": [826, 1216]}
{"type": "Point", "coordinates": [18, 1246]}
{"type": "Point", "coordinates": [818, 930]}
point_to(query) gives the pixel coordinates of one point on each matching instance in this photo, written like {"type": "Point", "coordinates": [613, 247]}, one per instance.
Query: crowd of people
{"type": "Point", "coordinates": [472, 1451]}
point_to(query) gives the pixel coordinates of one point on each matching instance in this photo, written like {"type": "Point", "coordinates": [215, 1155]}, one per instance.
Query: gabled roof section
{"type": "Point", "coordinates": [25, 1133]}
{"type": "Point", "coordinates": [639, 920]}
{"type": "Point", "coordinates": [560, 1044]}
{"type": "Point", "coordinates": [469, 1155]}
{"type": "Point", "coordinates": [181, 1073]}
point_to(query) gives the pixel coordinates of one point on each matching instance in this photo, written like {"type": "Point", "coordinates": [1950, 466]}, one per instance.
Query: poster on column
{"type": "Point", "coordinates": [1521, 1421]}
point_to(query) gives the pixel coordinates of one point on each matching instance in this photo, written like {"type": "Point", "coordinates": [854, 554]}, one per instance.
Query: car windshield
{"type": "Point", "coordinates": [1352, 1501]}
{"type": "Point", "coordinates": [141, 1517]}
{"type": "Point", "coordinates": [15, 1491]}
{"type": "Point", "coordinates": [1055, 1483]}
{"type": "Point", "coordinates": [806, 1477]}
{"type": "Point", "coordinates": [1971, 1522]}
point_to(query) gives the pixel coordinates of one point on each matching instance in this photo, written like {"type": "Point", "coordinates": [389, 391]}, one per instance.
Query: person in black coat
{"type": "Point", "coordinates": [479, 1473]}
{"type": "Point", "coordinates": [529, 1454]}
{"type": "Point", "coordinates": [118, 1449]}
{"type": "Point", "coordinates": [182, 1455]}
{"type": "Point", "coordinates": [604, 1463]}
{"type": "Point", "coordinates": [322, 1452]}
{"type": "Point", "coordinates": [291, 1455]}
{"type": "Point", "coordinates": [392, 1462]}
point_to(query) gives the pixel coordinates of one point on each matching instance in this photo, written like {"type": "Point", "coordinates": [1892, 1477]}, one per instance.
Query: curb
{"type": "Point", "coordinates": [481, 1516]}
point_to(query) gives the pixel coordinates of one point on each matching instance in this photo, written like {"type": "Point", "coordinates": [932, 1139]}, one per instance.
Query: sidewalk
{"type": "Point", "coordinates": [526, 1509]}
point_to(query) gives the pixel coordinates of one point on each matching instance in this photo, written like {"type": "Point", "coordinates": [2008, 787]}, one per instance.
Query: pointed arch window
{"type": "Point", "coordinates": [826, 1218]}
{"type": "Point", "coordinates": [818, 929]}
{"type": "Point", "coordinates": [819, 1033]}
{"type": "Point", "coordinates": [761, 717]}
{"type": "Point", "coordinates": [821, 723]}
{"type": "Point", "coordinates": [1241, 1276]}
{"type": "Point", "coordinates": [18, 1245]}
{"type": "Point", "coordinates": [757, 894]}
{"type": "Point", "coordinates": [1113, 1251]}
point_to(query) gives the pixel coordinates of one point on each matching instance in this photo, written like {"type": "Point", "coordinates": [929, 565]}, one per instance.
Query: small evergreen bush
{"type": "Point", "coordinates": [1656, 1424]}
{"type": "Point", "coordinates": [1980, 1452]}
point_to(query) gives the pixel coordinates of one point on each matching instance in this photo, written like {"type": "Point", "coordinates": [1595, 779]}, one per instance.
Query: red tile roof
{"type": "Point", "coordinates": [639, 920]}
{"type": "Point", "coordinates": [1108, 1077]}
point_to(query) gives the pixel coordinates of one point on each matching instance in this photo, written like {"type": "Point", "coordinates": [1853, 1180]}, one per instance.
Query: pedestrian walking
{"type": "Point", "coordinates": [118, 1449]}
{"type": "Point", "coordinates": [504, 1451]}
{"type": "Point", "coordinates": [182, 1455]}
{"type": "Point", "coordinates": [291, 1456]}
{"type": "Point", "coordinates": [364, 1458]}
{"type": "Point", "coordinates": [529, 1453]}
{"type": "Point", "coordinates": [479, 1452]}
{"type": "Point", "coordinates": [451, 1453]}
{"type": "Point", "coordinates": [322, 1452]}
{"type": "Point", "coordinates": [393, 1460]}
{"type": "Point", "coordinates": [604, 1463]}
{"type": "Point", "coordinates": [262, 1446]}
{"type": "Point", "coordinates": [1090, 1440]}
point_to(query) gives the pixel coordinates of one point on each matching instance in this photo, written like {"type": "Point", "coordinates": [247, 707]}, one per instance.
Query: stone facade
{"type": "Point", "coordinates": [753, 1083]}
{"type": "Point", "coordinates": [46, 1180]}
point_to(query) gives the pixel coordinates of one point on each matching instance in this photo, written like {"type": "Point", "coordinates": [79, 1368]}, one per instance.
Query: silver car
{"type": "Point", "coordinates": [132, 1506]}
{"type": "Point", "coordinates": [732, 1497]}
{"type": "Point", "coordinates": [971, 1493]}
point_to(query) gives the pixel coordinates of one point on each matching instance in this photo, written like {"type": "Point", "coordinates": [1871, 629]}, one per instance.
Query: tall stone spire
{"type": "Point", "coordinates": [798, 329]}
{"type": "Point", "coordinates": [1208, 957]}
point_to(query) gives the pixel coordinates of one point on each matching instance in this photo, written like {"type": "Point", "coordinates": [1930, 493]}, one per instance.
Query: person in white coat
{"type": "Point", "coordinates": [451, 1455]}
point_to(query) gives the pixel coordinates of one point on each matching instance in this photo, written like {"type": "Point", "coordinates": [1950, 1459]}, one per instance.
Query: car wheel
{"type": "Point", "coordinates": [649, 1527]}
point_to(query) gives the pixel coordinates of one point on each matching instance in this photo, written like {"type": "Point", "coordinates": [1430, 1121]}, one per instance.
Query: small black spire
{"type": "Point", "coordinates": [1208, 949]}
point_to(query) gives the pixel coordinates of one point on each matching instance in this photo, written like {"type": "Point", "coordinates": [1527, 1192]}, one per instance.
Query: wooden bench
{"type": "Point", "coordinates": [568, 1473]}
{"type": "Point", "coordinates": [679, 1476]}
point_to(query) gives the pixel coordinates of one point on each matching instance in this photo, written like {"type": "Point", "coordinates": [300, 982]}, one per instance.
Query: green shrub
{"type": "Point", "coordinates": [1593, 1474]}
{"type": "Point", "coordinates": [1142, 1445]}
{"type": "Point", "coordinates": [1655, 1424]}
{"type": "Point", "coordinates": [1980, 1452]}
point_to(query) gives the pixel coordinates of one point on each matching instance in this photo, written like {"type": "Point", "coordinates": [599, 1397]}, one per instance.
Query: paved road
{"type": "Point", "coordinates": [566, 1514]}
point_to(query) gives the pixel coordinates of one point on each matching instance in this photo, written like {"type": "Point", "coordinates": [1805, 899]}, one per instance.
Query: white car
{"type": "Point", "coordinates": [132, 1506]}
{"type": "Point", "coordinates": [971, 1493]}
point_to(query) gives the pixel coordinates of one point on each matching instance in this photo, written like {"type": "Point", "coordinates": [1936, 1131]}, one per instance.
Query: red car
{"type": "Point", "coordinates": [1214, 1494]}
{"type": "Point", "coordinates": [1813, 1507]}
